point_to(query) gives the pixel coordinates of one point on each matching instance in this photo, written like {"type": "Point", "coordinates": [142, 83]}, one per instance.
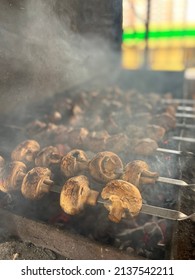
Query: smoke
{"type": "Point", "coordinates": [40, 53]}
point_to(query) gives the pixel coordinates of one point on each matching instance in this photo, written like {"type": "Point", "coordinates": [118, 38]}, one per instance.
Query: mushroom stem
{"type": "Point", "coordinates": [21, 174]}
{"type": "Point", "coordinates": [48, 182]}
{"type": "Point", "coordinates": [92, 198]}
{"type": "Point", "coordinates": [116, 211]}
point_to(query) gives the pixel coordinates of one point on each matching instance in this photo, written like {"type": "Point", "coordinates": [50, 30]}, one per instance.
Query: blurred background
{"type": "Point", "coordinates": [158, 34]}
{"type": "Point", "coordinates": [48, 46]}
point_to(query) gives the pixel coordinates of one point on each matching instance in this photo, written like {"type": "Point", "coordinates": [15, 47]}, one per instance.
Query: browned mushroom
{"type": "Point", "coordinates": [75, 194]}
{"type": "Point", "coordinates": [36, 183]}
{"type": "Point", "coordinates": [26, 151]}
{"type": "Point", "coordinates": [137, 173]}
{"type": "Point", "coordinates": [105, 166]}
{"type": "Point", "coordinates": [96, 140]}
{"type": "Point", "coordinates": [76, 137]}
{"type": "Point", "coordinates": [144, 147]}
{"type": "Point", "coordinates": [117, 142]}
{"type": "Point", "coordinates": [165, 120]}
{"type": "Point", "coordinates": [74, 162]}
{"type": "Point", "coordinates": [12, 176]}
{"type": "Point", "coordinates": [124, 197]}
{"type": "Point", "coordinates": [2, 163]}
{"type": "Point", "coordinates": [48, 157]}
{"type": "Point", "coordinates": [155, 132]}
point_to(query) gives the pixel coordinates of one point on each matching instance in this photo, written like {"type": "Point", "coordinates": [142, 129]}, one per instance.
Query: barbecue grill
{"type": "Point", "coordinates": [163, 225]}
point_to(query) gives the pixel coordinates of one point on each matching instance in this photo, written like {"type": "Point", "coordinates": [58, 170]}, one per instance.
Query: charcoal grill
{"type": "Point", "coordinates": [179, 241]}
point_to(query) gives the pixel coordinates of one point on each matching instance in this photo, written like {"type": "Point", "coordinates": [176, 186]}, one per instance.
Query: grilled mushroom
{"type": "Point", "coordinates": [145, 147]}
{"type": "Point", "coordinates": [48, 157]}
{"type": "Point", "coordinates": [124, 197]}
{"type": "Point", "coordinates": [96, 140]}
{"type": "Point", "coordinates": [36, 183]}
{"type": "Point", "coordinates": [26, 151]}
{"type": "Point", "coordinates": [117, 142]}
{"type": "Point", "coordinates": [75, 194]}
{"type": "Point", "coordinates": [137, 173]}
{"type": "Point", "coordinates": [2, 163]}
{"type": "Point", "coordinates": [165, 120]}
{"type": "Point", "coordinates": [74, 162]}
{"type": "Point", "coordinates": [12, 176]}
{"type": "Point", "coordinates": [155, 132]}
{"type": "Point", "coordinates": [76, 137]}
{"type": "Point", "coordinates": [105, 166]}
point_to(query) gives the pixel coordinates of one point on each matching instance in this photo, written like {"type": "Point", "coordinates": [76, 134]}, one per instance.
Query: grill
{"type": "Point", "coordinates": [90, 234]}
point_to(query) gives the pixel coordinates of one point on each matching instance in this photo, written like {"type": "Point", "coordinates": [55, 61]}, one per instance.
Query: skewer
{"type": "Point", "coordinates": [175, 152]}
{"type": "Point", "coordinates": [160, 212]}
{"type": "Point", "coordinates": [149, 209]}
{"type": "Point", "coordinates": [184, 139]}
{"type": "Point", "coordinates": [185, 115]}
{"type": "Point", "coordinates": [181, 101]}
{"type": "Point", "coordinates": [184, 125]}
{"type": "Point", "coordinates": [166, 213]}
{"type": "Point", "coordinates": [186, 108]}
{"type": "Point", "coordinates": [176, 182]}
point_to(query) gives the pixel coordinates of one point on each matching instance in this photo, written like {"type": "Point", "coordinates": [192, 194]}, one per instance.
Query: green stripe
{"type": "Point", "coordinates": [160, 34]}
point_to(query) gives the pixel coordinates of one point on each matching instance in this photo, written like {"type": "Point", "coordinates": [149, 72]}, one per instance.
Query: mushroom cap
{"type": "Point", "coordinates": [135, 170]}
{"type": "Point", "coordinates": [73, 162]}
{"type": "Point", "coordinates": [15, 171]}
{"type": "Point", "coordinates": [12, 176]}
{"type": "Point", "coordinates": [26, 151]}
{"type": "Point", "coordinates": [105, 166]}
{"type": "Point", "coordinates": [33, 186]}
{"type": "Point", "coordinates": [125, 194]}
{"type": "Point", "coordinates": [145, 147]}
{"type": "Point", "coordinates": [48, 157]}
{"type": "Point", "coordinates": [2, 162]}
{"type": "Point", "coordinates": [155, 132]}
{"type": "Point", "coordinates": [2, 168]}
{"type": "Point", "coordinates": [74, 194]}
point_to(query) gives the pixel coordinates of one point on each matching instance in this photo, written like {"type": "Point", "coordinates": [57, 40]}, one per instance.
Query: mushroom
{"type": "Point", "coordinates": [75, 194]}
{"type": "Point", "coordinates": [2, 165]}
{"type": "Point", "coordinates": [48, 157]}
{"type": "Point", "coordinates": [76, 137]}
{"type": "Point", "coordinates": [74, 162]}
{"type": "Point", "coordinates": [117, 142]}
{"type": "Point", "coordinates": [165, 120]}
{"type": "Point", "coordinates": [12, 176]}
{"type": "Point", "coordinates": [96, 140]}
{"type": "Point", "coordinates": [145, 147]}
{"type": "Point", "coordinates": [124, 198]}
{"type": "Point", "coordinates": [105, 166]}
{"type": "Point", "coordinates": [36, 183]}
{"type": "Point", "coordinates": [137, 173]}
{"type": "Point", "coordinates": [155, 132]}
{"type": "Point", "coordinates": [26, 151]}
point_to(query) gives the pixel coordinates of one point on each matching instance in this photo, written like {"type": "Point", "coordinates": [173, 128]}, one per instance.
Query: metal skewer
{"type": "Point", "coordinates": [180, 101]}
{"type": "Point", "coordinates": [166, 213]}
{"type": "Point", "coordinates": [184, 139]}
{"type": "Point", "coordinates": [185, 115]}
{"type": "Point", "coordinates": [186, 108]}
{"type": "Point", "coordinates": [165, 180]}
{"type": "Point", "coordinates": [176, 182]}
{"type": "Point", "coordinates": [160, 212]}
{"type": "Point", "coordinates": [149, 209]}
{"type": "Point", "coordinates": [175, 152]}
{"type": "Point", "coordinates": [184, 125]}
